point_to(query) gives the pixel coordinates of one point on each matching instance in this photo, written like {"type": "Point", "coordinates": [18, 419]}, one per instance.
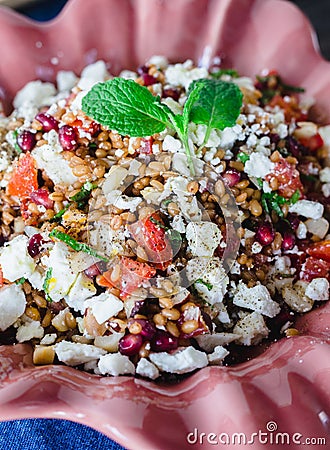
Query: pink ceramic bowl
{"type": "Point", "coordinates": [284, 390]}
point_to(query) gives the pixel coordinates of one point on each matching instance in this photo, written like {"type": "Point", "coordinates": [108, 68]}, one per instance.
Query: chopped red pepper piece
{"type": "Point", "coordinates": [24, 179]}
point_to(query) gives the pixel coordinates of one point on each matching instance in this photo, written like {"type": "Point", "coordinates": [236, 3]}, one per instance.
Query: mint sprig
{"type": "Point", "coordinates": [131, 109]}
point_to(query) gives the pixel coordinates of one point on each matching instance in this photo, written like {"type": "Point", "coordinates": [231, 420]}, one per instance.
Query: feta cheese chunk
{"type": "Point", "coordinates": [209, 342]}
{"type": "Point", "coordinates": [318, 227]}
{"type": "Point", "coordinates": [307, 208]}
{"type": "Point", "coordinates": [295, 297]}
{"type": "Point", "coordinates": [203, 238]}
{"type": "Point", "coordinates": [62, 275]}
{"type": "Point", "coordinates": [210, 278]}
{"type": "Point", "coordinates": [181, 361]}
{"type": "Point", "coordinates": [318, 289]}
{"type": "Point", "coordinates": [92, 74]}
{"type": "Point", "coordinates": [30, 330]}
{"type": "Point", "coordinates": [256, 298]}
{"type": "Point", "coordinates": [34, 93]}
{"type": "Point", "coordinates": [184, 74]}
{"type": "Point", "coordinates": [12, 305]}
{"type": "Point", "coordinates": [65, 80]}
{"type": "Point", "coordinates": [116, 364]}
{"type": "Point", "coordinates": [104, 306]}
{"type": "Point", "coordinates": [146, 369]}
{"type": "Point", "coordinates": [15, 260]}
{"type": "Point", "coordinates": [73, 354]}
{"type": "Point", "coordinates": [217, 356]}
{"type": "Point", "coordinates": [258, 166]}
{"type": "Point", "coordinates": [48, 158]}
{"type": "Point", "coordinates": [251, 328]}
{"type": "Point", "coordinates": [82, 289]}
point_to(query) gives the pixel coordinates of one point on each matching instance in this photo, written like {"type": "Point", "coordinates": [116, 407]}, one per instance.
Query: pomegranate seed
{"type": "Point", "coordinates": [26, 141]}
{"type": "Point", "coordinates": [41, 197]}
{"type": "Point", "coordinates": [146, 145]}
{"type": "Point", "coordinates": [164, 342]}
{"type": "Point", "coordinates": [34, 245]}
{"type": "Point", "coordinates": [288, 241]}
{"type": "Point", "coordinates": [148, 80]}
{"type": "Point", "coordinates": [265, 234]}
{"type": "Point", "coordinates": [130, 344]}
{"type": "Point", "coordinates": [294, 221]}
{"type": "Point", "coordinates": [231, 177]}
{"type": "Point", "coordinates": [142, 70]}
{"type": "Point", "coordinates": [47, 121]}
{"type": "Point", "coordinates": [293, 146]}
{"type": "Point", "coordinates": [68, 137]}
{"type": "Point", "coordinates": [171, 92]}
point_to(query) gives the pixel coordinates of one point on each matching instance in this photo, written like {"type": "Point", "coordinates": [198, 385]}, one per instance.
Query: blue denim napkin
{"type": "Point", "coordinates": [52, 434]}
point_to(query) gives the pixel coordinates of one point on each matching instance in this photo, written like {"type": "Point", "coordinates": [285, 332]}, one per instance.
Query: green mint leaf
{"type": "Point", "coordinates": [208, 285]}
{"type": "Point", "coordinates": [125, 106]}
{"type": "Point", "coordinates": [243, 157]}
{"type": "Point", "coordinates": [219, 73]}
{"type": "Point", "coordinates": [218, 105]}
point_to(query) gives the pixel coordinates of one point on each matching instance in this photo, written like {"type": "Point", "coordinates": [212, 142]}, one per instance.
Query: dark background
{"type": "Point", "coordinates": [318, 12]}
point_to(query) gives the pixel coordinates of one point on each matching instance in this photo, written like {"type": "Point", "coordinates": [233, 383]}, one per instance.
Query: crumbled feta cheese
{"type": "Point", "coordinates": [301, 231]}
{"type": "Point", "coordinates": [122, 201]}
{"type": "Point", "coordinates": [82, 289]}
{"type": "Point", "coordinates": [48, 339]}
{"type": "Point", "coordinates": [209, 342]}
{"type": "Point", "coordinates": [178, 224]}
{"type": "Point", "coordinates": [181, 75]}
{"type": "Point", "coordinates": [217, 356]}
{"type": "Point", "coordinates": [325, 175]}
{"type": "Point", "coordinates": [318, 289]}
{"type": "Point", "coordinates": [29, 330]}
{"type": "Point", "coordinates": [62, 276]}
{"type": "Point", "coordinates": [104, 306]}
{"type": "Point", "coordinates": [65, 80]}
{"type": "Point", "coordinates": [12, 305]}
{"type": "Point", "coordinates": [92, 74]}
{"type": "Point", "coordinates": [106, 240]}
{"type": "Point", "coordinates": [283, 265]}
{"type": "Point", "coordinates": [258, 165]}
{"type": "Point", "coordinates": [73, 354]}
{"type": "Point", "coordinates": [15, 260]}
{"type": "Point", "coordinates": [36, 93]}
{"type": "Point", "coordinates": [212, 280]}
{"type": "Point", "coordinates": [134, 167]}
{"type": "Point", "coordinates": [161, 62]}
{"type": "Point", "coordinates": [203, 238]}
{"type": "Point", "coordinates": [171, 144]}
{"type": "Point", "coordinates": [251, 329]}
{"type": "Point", "coordinates": [256, 298]}
{"type": "Point", "coordinates": [256, 247]}
{"type": "Point", "coordinates": [326, 189]}
{"type": "Point", "coordinates": [295, 297]}
{"type": "Point", "coordinates": [181, 361]}
{"type": "Point", "coordinates": [116, 364]}
{"type": "Point", "coordinates": [307, 208]}
{"type": "Point", "coordinates": [146, 369]}
{"type": "Point", "coordinates": [325, 134]}
{"type": "Point", "coordinates": [318, 227]}
{"type": "Point", "coordinates": [48, 158]}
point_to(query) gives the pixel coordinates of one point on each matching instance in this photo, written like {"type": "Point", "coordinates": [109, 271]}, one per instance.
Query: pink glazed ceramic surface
{"type": "Point", "coordinates": [283, 391]}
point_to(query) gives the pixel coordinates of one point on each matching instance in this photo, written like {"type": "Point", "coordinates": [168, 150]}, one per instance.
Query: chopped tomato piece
{"type": "Point", "coordinates": [132, 275]}
{"type": "Point", "coordinates": [146, 145]}
{"type": "Point", "coordinates": [24, 178]}
{"type": "Point", "coordinates": [313, 143]}
{"type": "Point", "coordinates": [291, 108]}
{"type": "Point", "coordinates": [288, 178]}
{"type": "Point", "coordinates": [150, 234]}
{"type": "Point", "coordinates": [320, 250]}
{"type": "Point", "coordinates": [314, 268]}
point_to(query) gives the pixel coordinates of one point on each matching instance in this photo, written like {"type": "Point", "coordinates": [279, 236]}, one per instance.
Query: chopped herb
{"type": "Point", "coordinates": [156, 222]}
{"type": "Point", "coordinates": [175, 239]}
{"type": "Point", "coordinates": [243, 157]}
{"type": "Point", "coordinates": [260, 182]}
{"type": "Point", "coordinates": [310, 178]}
{"type": "Point", "coordinates": [16, 146]}
{"type": "Point", "coordinates": [208, 285]}
{"type": "Point", "coordinates": [46, 283]}
{"type": "Point", "coordinates": [295, 197]}
{"type": "Point", "coordinates": [92, 145]}
{"type": "Point", "coordinates": [82, 197]}
{"type": "Point", "coordinates": [272, 85]}
{"type": "Point", "coordinates": [219, 73]}
{"type": "Point", "coordinates": [274, 201]}
{"type": "Point", "coordinates": [167, 202]}
{"type": "Point", "coordinates": [59, 215]}
{"type": "Point", "coordinates": [20, 281]}
{"type": "Point", "coordinates": [75, 245]}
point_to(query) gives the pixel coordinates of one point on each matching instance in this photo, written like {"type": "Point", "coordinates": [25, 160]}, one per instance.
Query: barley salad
{"type": "Point", "coordinates": [160, 221]}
